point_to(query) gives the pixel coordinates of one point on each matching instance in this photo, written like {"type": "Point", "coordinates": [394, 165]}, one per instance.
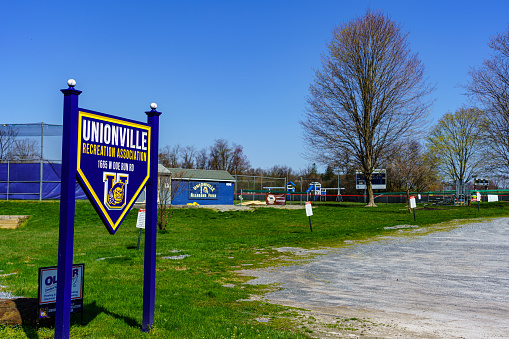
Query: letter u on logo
{"type": "Point", "coordinates": [115, 189]}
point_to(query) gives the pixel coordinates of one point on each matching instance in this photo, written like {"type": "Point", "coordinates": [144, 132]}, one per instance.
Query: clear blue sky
{"type": "Point", "coordinates": [238, 70]}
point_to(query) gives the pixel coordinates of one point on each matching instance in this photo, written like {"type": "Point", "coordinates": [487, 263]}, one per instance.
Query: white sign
{"type": "Point", "coordinates": [48, 284]}
{"type": "Point", "coordinates": [309, 209]}
{"type": "Point", "coordinates": [478, 196]}
{"type": "Point", "coordinates": [419, 196]}
{"type": "Point", "coordinates": [492, 197]}
{"type": "Point", "coordinates": [140, 222]}
{"type": "Point", "coordinates": [412, 202]}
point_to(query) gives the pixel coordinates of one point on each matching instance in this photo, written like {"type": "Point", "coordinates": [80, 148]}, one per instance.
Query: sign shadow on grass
{"type": "Point", "coordinates": [93, 310]}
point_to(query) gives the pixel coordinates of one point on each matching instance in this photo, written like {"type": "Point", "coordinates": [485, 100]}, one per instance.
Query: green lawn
{"type": "Point", "coordinates": [199, 296]}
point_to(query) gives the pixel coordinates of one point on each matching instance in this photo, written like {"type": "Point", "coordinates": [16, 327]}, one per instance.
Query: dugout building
{"type": "Point", "coordinates": [204, 187]}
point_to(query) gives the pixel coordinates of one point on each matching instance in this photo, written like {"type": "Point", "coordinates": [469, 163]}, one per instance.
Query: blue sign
{"type": "Point", "coordinates": [113, 163]}
{"type": "Point", "coordinates": [203, 191]}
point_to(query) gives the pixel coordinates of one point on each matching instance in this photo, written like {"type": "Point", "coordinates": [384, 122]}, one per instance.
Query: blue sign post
{"type": "Point", "coordinates": [113, 159]}
{"type": "Point", "coordinates": [67, 200]}
{"type": "Point", "coordinates": [149, 281]}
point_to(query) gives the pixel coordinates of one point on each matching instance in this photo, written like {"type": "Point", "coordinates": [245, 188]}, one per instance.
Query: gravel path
{"type": "Point", "coordinates": [451, 284]}
{"type": "Point", "coordinates": [6, 295]}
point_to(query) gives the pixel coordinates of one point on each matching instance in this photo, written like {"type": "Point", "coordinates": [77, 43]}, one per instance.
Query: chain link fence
{"type": "Point", "coordinates": [30, 161]}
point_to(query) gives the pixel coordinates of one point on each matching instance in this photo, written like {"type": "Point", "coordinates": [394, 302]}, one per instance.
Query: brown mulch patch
{"type": "Point", "coordinates": [18, 311]}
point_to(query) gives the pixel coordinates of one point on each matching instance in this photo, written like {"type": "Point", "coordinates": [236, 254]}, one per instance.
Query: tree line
{"type": "Point", "coordinates": [228, 156]}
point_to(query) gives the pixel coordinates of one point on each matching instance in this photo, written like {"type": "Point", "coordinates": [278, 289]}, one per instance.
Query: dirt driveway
{"type": "Point", "coordinates": [448, 284]}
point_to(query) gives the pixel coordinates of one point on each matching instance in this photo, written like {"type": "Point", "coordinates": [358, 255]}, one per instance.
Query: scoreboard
{"type": "Point", "coordinates": [378, 180]}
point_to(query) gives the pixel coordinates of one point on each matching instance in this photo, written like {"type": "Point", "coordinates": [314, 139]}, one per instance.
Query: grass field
{"type": "Point", "coordinates": [199, 295]}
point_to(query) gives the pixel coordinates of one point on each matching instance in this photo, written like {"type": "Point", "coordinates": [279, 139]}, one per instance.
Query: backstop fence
{"type": "Point", "coordinates": [30, 162]}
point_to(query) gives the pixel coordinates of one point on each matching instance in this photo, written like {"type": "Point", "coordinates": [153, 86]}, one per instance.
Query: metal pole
{"type": "Point", "coordinates": [149, 276]}
{"type": "Point", "coordinates": [67, 200]}
{"type": "Point", "coordinates": [8, 178]}
{"type": "Point", "coordinates": [139, 240]}
{"type": "Point", "coordinates": [301, 190]}
{"type": "Point", "coordinates": [286, 189]}
{"type": "Point", "coordinates": [339, 188]}
{"type": "Point", "coordinates": [41, 169]}
{"type": "Point", "coordinates": [478, 200]}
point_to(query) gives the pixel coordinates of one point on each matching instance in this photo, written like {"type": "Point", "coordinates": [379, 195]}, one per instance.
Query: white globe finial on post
{"type": "Point", "coordinates": [153, 105]}
{"type": "Point", "coordinates": [71, 82]}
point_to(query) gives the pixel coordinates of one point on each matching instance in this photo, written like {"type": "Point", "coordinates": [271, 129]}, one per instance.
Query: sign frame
{"type": "Point", "coordinates": [47, 305]}
{"type": "Point", "coordinates": [116, 172]}
{"type": "Point", "coordinates": [67, 213]}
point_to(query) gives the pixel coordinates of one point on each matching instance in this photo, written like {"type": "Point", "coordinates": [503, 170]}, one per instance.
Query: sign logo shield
{"type": "Point", "coordinates": [115, 187]}
{"type": "Point", "coordinates": [113, 163]}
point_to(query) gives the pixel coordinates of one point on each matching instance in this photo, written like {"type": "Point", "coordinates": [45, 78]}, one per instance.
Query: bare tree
{"type": "Point", "coordinates": [220, 155]}
{"type": "Point", "coordinates": [7, 138]}
{"type": "Point", "coordinates": [25, 149]}
{"type": "Point", "coordinates": [202, 159]}
{"type": "Point", "coordinates": [489, 85]}
{"type": "Point", "coordinates": [188, 157]}
{"type": "Point", "coordinates": [411, 166]}
{"type": "Point", "coordinates": [279, 171]}
{"type": "Point", "coordinates": [309, 172]}
{"type": "Point", "coordinates": [369, 94]}
{"type": "Point", "coordinates": [170, 186]}
{"type": "Point", "coordinates": [457, 144]}
{"type": "Point", "coordinates": [231, 158]}
{"type": "Point", "coordinates": [164, 201]}
{"type": "Point", "coordinates": [239, 163]}
{"type": "Point", "coordinates": [170, 156]}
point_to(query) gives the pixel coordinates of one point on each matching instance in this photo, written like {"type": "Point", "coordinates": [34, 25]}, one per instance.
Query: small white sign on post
{"type": "Point", "coordinates": [140, 222]}
{"type": "Point", "coordinates": [478, 196]}
{"type": "Point", "coordinates": [412, 202]}
{"type": "Point", "coordinates": [492, 197]}
{"type": "Point", "coordinates": [309, 209]}
{"type": "Point", "coordinates": [309, 213]}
